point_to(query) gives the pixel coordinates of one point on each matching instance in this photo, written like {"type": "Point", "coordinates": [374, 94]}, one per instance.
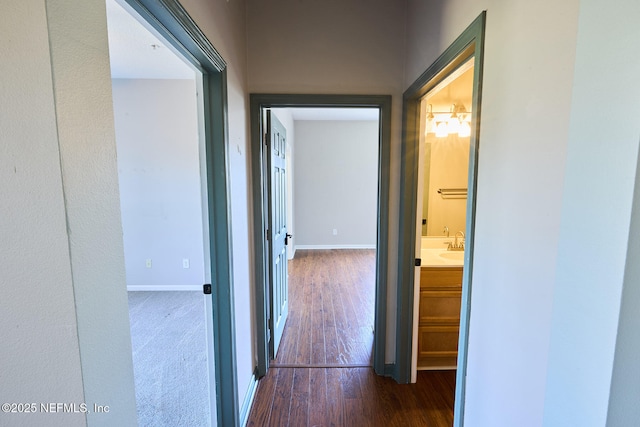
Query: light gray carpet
{"type": "Point", "coordinates": [169, 358]}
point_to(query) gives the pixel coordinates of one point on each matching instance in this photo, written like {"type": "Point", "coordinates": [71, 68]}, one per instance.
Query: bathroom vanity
{"type": "Point", "coordinates": [439, 308]}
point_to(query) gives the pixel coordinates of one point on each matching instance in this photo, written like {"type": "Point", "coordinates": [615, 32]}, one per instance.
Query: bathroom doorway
{"type": "Point", "coordinates": [443, 179]}
{"type": "Point", "coordinates": [421, 117]}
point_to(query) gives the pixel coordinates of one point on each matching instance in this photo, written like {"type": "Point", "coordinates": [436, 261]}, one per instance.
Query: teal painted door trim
{"type": "Point", "coordinates": [258, 105]}
{"type": "Point", "coordinates": [469, 44]}
{"type": "Point", "coordinates": [174, 23]}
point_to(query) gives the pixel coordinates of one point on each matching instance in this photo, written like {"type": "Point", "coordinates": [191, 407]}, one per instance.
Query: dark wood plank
{"type": "Point", "coordinates": [372, 399]}
{"type": "Point", "coordinates": [318, 353]}
{"type": "Point", "coordinates": [331, 349]}
{"type": "Point", "coordinates": [318, 397]}
{"type": "Point", "coordinates": [299, 410]}
{"type": "Point", "coordinates": [335, 400]}
{"type": "Point", "coordinates": [282, 397]}
{"type": "Point", "coordinates": [262, 403]}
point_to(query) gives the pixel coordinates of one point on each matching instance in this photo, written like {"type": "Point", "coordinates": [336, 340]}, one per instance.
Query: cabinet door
{"type": "Point", "coordinates": [438, 347]}
{"type": "Point", "coordinates": [440, 307]}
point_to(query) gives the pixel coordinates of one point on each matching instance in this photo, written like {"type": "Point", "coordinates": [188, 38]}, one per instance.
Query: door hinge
{"type": "Point", "coordinates": [267, 234]}
{"type": "Point", "coordinates": [206, 288]}
{"type": "Point", "coordinates": [269, 330]}
{"type": "Point", "coordinates": [418, 262]}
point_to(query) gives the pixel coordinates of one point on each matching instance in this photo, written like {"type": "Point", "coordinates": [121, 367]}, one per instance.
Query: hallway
{"type": "Point", "coordinates": [322, 374]}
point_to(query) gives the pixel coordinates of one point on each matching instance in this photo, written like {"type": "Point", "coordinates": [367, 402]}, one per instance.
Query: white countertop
{"type": "Point", "coordinates": [432, 257]}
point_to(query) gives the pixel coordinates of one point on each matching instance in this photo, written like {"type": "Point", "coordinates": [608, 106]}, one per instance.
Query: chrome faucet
{"type": "Point", "coordinates": [457, 246]}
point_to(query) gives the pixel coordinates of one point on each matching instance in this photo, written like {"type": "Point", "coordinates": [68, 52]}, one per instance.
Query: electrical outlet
{"type": "Point", "coordinates": [148, 263]}
{"type": "Point", "coordinates": [335, 231]}
{"type": "Point", "coordinates": [185, 263]}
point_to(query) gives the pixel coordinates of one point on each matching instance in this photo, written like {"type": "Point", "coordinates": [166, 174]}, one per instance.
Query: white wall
{"type": "Point", "coordinates": [64, 314]}
{"type": "Point", "coordinates": [40, 351]}
{"type": "Point", "coordinates": [224, 24]}
{"type": "Point", "coordinates": [80, 64]}
{"type": "Point", "coordinates": [596, 229]}
{"type": "Point", "coordinates": [70, 335]}
{"type": "Point", "coordinates": [330, 47]}
{"type": "Point", "coordinates": [336, 180]}
{"type": "Point", "coordinates": [526, 101]}
{"type": "Point", "coordinates": [159, 178]}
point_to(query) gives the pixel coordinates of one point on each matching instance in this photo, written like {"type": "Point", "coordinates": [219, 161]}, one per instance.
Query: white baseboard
{"type": "Point", "coordinates": [312, 247]}
{"type": "Point", "coordinates": [154, 288]}
{"type": "Point", "coordinates": [248, 400]}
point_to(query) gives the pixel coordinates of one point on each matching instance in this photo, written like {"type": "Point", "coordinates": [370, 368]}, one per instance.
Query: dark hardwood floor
{"type": "Point", "coordinates": [322, 375]}
{"type": "Point", "coordinates": [351, 397]}
{"type": "Point", "coordinates": [331, 309]}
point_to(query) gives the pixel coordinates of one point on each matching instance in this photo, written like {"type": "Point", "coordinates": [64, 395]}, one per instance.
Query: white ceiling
{"type": "Point", "coordinates": [136, 53]}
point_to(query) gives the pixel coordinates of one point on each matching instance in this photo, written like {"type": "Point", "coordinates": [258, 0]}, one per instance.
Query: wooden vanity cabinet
{"type": "Point", "coordinates": [439, 317]}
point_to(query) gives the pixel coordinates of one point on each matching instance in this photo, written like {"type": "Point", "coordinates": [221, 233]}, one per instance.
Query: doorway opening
{"type": "Point", "coordinates": [169, 91]}
{"type": "Point", "coordinates": [332, 174]}
{"type": "Point", "coordinates": [260, 103]}
{"type": "Point", "coordinates": [158, 138]}
{"type": "Point", "coordinates": [443, 176]}
{"type": "Point", "coordinates": [431, 311]}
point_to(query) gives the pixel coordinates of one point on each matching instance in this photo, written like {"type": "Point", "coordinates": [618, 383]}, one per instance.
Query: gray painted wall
{"type": "Point", "coordinates": [336, 183]}
{"type": "Point", "coordinates": [39, 354]}
{"type": "Point", "coordinates": [528, 73]}
{"type": "Point", "coordinates": [625, 394]}
{"type": "Point", "coordinates": [330, 48]}
{"type": "Point", "coordinates": [159, 177]}
{"type": "Point", "coordinates": [592, 335]}
{"type": "Point", "coordinates": [553, 207]}
{"type": "Point", "coordinates": [64, 317]}
{"type": "Point", "coordinates": [224, 23]}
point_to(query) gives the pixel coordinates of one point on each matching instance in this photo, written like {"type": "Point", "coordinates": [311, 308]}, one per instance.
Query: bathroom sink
{"type": "Point", "coordinates": [458, 255]}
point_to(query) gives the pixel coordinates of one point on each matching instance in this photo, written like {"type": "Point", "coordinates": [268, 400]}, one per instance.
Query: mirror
{"type": "Point", "coordinates": [446, 138]}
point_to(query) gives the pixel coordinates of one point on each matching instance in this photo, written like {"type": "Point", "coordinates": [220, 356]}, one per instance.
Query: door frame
{"type": "Point", "coordinates": [172, 21]}
{"type": "Point", "coordinates": [469, 44]}
{"type": "Point", "coordinates": [258, 104]}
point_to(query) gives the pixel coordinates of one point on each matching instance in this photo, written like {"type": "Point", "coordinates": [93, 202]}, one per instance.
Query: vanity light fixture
{"type": "Point", "coordinates": [442, 130]}
{"type": "Point", "coordinates": [457, 122]}
{"type": "Point", "coordinates": [453, 122]}
{"type": "Point", "coordinates": [430, 125]}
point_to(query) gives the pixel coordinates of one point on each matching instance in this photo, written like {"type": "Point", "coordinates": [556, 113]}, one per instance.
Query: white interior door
{"type": "Point", "coordinates": [277, 232]}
